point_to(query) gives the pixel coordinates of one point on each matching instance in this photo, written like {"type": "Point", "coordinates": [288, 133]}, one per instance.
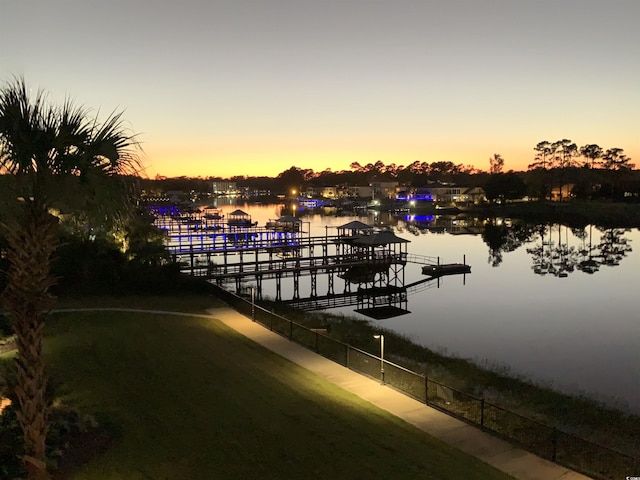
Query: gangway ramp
{"type": "Point", "coordinates": [432, 267]}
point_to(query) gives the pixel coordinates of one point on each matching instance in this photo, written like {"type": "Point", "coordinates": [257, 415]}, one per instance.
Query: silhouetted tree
{"type": "Point", "coordinates": [592, 153]}
{"type": "Point", "coordinates": [355, 166]}
{"type": "Point", "coordinates": [542, 159]}
{"type": "Point", "coordinates": [563, 154]}
{"type": "Point", "coordinates": [290, 180]}
{"type": "Point", "coordinates": [566, 152]}
{"type": "Point", "coordinates": [505, 186]}
{"type": "Point", "coordinates": [615, 159]}
{"type": "Point", "coordinates": [496, 164]}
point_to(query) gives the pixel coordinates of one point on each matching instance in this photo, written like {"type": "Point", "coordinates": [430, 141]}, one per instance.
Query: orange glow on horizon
{"type": "Point", "coordinates": [236, 155]}
{"type": "Point", "coordinates": [269, 158]}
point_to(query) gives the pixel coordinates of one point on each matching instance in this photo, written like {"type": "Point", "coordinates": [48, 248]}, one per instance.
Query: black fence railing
{"type": "Point", "coordinates": [548, 442]}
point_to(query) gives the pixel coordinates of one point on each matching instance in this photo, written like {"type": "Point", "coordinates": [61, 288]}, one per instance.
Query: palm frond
{"type": "Point", "coordinates": [115, 147]}
{"type": "Point", "coordinates": [41, 143]}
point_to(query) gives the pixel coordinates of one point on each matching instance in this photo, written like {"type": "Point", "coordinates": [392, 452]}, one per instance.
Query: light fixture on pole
{"type": "Point", "coordinates": [381, 337]}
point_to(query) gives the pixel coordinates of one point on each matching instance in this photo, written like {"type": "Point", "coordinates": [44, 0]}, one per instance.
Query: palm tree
{"type": "Point", "coordinates": [57, 158]}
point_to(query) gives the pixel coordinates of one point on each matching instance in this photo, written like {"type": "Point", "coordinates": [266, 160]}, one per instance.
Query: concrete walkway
{"type": "Point", "coordinates": [498, 453]}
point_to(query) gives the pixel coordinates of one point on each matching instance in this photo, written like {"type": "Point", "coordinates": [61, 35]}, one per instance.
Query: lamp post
{"type": "Point", "coordinates": [381, 337]}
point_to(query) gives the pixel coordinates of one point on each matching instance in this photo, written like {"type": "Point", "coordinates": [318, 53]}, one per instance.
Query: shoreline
{"type": "Point", "coordinates": [582, 415]}
{"type": "Point", "coordinates": [574, 214]}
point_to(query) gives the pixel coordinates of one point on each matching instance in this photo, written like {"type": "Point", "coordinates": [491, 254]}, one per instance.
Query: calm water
{"type": "Point", "coordinates": [572, 330]}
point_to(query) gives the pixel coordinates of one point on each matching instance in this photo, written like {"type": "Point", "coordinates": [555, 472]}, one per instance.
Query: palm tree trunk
{"type": "Point", "coordinates": [31, 243]}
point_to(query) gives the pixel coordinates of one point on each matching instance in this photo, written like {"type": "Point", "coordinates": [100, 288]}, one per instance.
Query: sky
{"type": "Point", "coordinates": [253, 87]}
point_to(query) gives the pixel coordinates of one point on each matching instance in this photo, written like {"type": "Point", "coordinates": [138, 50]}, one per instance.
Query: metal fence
{"type": "Point", "coordinates": [548, 442]}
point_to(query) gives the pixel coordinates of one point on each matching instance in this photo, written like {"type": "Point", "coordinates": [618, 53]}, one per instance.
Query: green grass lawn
{"type": "Point", "coordinates": [190, 398]}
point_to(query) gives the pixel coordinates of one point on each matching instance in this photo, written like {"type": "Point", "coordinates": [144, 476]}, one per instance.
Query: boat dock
{"type": "Point", "coordinates": [369, 261]}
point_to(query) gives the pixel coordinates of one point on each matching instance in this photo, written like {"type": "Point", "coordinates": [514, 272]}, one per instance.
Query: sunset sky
{"type": "Point", "coordinates": [253, 87]}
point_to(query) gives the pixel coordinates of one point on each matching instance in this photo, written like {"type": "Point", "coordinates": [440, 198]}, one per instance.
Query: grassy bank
{"type": "Point", "coordinates": [189, 398]}
{"type": "Point", "coordinates": [577, 415]}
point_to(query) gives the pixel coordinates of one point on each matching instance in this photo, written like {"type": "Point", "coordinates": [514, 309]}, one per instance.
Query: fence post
{"type": "Point", "coordinates": [290, 330]}
{"type": "Point", "coordinates": [482, 413]}
{"type": "Point", "coordinates": [317, 349]}
{"type": "Point", "coordinates": [426, 390]}
{"type": "Point", "coordinates": [253, 304]}
{"type": "Point", "coordinates": [554, 444]}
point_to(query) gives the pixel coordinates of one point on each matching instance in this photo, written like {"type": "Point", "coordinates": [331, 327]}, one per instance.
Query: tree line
{"type": "Point", "coordinates": [592, 170]}
{"type": "Point", "coordinates": [602, 174]}
{"type": "Point", "coordinates": [566, 154]}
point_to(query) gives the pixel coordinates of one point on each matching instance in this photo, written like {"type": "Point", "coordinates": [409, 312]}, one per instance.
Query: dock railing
{"type": "Point", "coordinates": [549, 442]}
{"type": "Point", "coordinates": [423, 259]}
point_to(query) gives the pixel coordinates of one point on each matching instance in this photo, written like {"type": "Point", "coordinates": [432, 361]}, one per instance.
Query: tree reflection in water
{"type": "Point", "coordinates": [557, 257]}
{"type": "Point", "coordinates": [504, 235]}
{"type": "Point", "coordinates": [613, 246]}
{"type": "Point", "coordinates": [553, 257]}
{"type": "Point", "coordinates": [557, 250]}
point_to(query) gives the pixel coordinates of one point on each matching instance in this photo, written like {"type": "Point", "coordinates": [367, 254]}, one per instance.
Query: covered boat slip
{"type": "Point", "coordinates": [238, 218]}
{"type": "Point", "coordinates": [286, 223]}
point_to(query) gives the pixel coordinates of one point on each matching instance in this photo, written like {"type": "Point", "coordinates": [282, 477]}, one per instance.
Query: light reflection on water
{"type": "Point", "coordinates": [578, 333]}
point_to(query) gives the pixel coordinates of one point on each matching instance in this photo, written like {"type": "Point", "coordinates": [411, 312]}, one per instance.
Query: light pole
{"type": "Point", "coordinates": [381, 337]}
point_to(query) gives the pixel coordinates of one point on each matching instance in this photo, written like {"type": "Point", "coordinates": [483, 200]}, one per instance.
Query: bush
{"type": "Point", "coordinates": [68, 430]}
{"type": "Point", "coordinates": [5, 326]}
{"type": "Point", "coordinates": [11, 445]}
{"type": "Point", "coordinates": [98, 267]}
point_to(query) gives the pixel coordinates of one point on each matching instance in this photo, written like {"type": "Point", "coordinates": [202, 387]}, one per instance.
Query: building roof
{"type": "Point", "coordinates": [378, 239]}
{"type": "Point", "coordinates": [238, 213]}
{"type": "Point", "coordinates": [356, 225]}
{"type": "Point", "coordinates": [288, 219]}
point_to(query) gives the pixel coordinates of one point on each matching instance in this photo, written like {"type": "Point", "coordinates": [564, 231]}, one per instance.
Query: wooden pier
{"type": "Point", "coordinates": [370, 260]}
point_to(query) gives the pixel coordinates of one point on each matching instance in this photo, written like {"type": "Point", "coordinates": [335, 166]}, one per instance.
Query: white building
{"type": "Point", "coordinates": [224, 187]}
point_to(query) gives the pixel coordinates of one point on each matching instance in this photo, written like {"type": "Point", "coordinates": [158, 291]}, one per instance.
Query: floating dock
{"type": "Point", "coordinates": [445, 269]}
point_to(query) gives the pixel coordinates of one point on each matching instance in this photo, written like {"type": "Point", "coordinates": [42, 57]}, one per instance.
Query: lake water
{"type": "Point", "coordinates": [572, 330]}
